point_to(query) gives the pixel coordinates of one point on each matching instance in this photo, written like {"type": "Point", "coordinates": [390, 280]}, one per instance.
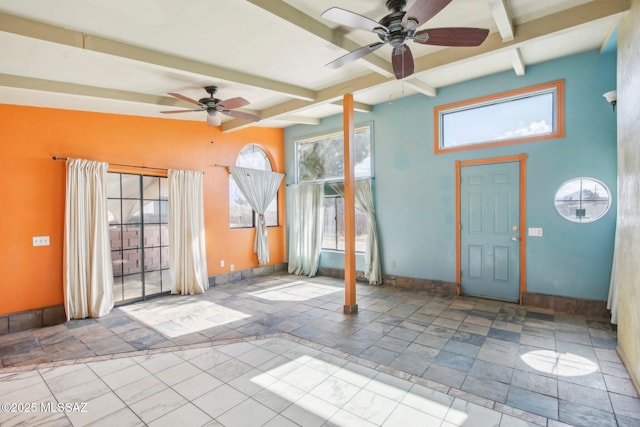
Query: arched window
{"type": "Point", "coordinates": [240, 213]}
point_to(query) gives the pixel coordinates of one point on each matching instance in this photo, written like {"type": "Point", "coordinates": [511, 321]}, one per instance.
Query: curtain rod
{"type": "Point", "coordinates": [120, 164]}
{"type": "Point", "coordinates": [242, 167]}
{"type": "Point", "coordinates": [327, 182]}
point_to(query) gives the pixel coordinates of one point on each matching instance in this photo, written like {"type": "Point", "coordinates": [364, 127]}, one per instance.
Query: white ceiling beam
{"type": "Point", "coordinates": [421, 87]}
{"type": "Point", "coordinates": [50, 33]}
{"type": "Point", "coordinates": [21, 82]}
{"type": "Point", "coordinates": [315, 27]}
{"type": "Point", "coordinates": [536, 29]}
{"type": "Point", "coordinates": [357, 106]}
{"type": "Point", "coordinates": [518, 62]}
{"type": "Point", "coordinates": [503, 18]}
{"type": "Point", "coordinates": [300, 120]}
{"type": "Point", "coordinates": [527, 31]}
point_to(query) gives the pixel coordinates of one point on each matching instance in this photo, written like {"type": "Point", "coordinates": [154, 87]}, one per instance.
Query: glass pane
{"type": "Point", "coordinates": [164, 234]}
{"type": "Point", "coordinates": [164, 212]}
{"type": "Point", "coordinates": [271, 214]}
{"type": "Point", "coordinates": [151, 187]}
{"type": "Point", "coordinates": [132, 287]}
{"type": "Point", "coordinates": [151, 259]}
{"type": "Point", "coordinates": [131, 237]}
{"type": "Point", "coordinates": [130, 261]}
{"type": "Point", "coordinates": [570, 190]}
{"type": "Point", "coordinates": [151, 211]}
{"type": "Point", "coordinates": [569, 209]}
{"type": "Point", "coordinates": [114, 207]}
{"type": "Point", "coordinates": [340, 223]}
{"type": "Point", "coordinates": [593, 190]}
{"type": "Point", "coordinates": [113, 185]}
{"type": "Point", "coordinates": [240, 212]}
{"type": "Point", "coordinates": [153, 283]}
{"type": "Point", "coordinates": [164, 257]}
{"type": "Point", "coordinates": [504, 120]}
{"type": "Point", "coordinates": [130, 186]}
{"type": "Point", "coordinates": [115, 237]}
{"type": "Point", "coordinates": [131, 211]}
{"type": "Point", "coordinates": [329, 229]}
{"type": "Point", "coordinates": [116, 263]}
{"type": "Point", "coordinates": [254, 157]}
{"type": "Point", "coordinates": [166, 280]}
{"type": "Point", "coordinates": [151, 236]}
{"type": "Point", "coordinates": [363, 167]}
{"type": "Point", "coordinates": [594, 209]}
{"type": "Point", "coordinates": [164, 188]}
{"type": "Point", "coordinates": [322, 158]}
{"type": "Point", "coordinates": [118, 290]}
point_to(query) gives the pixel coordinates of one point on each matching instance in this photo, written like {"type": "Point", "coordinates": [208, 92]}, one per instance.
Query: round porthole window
{"type": "Point", "coordinates": [583, 199]}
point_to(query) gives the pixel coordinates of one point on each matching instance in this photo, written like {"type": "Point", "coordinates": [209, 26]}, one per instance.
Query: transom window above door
{"type": "Point", "coordinates": [529, 114]}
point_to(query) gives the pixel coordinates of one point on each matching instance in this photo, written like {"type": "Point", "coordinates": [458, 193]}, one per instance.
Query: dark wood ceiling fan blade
{"type": "Point", "coordinates": [180, 111]}
{"type": "Point", "coordinates": [184, 98]}
{"type": "Point", "coordinates": [356, 54]}
{"type": "Point", "coordinates": [402, 60]}
{"type": "Point", "coordinates": [232, 103]}
{"type": "Point", "coordinates": [452, 36]}
{"type": "Point", "coordinates": [423, 10]}
{"type": "Point", "coordinates": [242, 115]}
{"type": "Point", "coordinates": [351, 19]}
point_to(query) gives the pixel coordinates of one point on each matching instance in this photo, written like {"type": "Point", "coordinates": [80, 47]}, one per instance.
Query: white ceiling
{"type": "Point", "coordinates": [124, 57]}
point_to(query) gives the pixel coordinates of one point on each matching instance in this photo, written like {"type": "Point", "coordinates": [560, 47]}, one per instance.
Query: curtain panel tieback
{"type": "Point", "coordinates": [259, 187]}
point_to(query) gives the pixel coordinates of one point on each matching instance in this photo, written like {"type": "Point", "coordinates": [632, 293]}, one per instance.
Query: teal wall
{"type": "Point", "coordinates": [415, 189]}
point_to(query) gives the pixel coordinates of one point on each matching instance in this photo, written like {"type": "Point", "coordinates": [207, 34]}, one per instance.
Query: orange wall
{"type": "Point", "coordinates": [34, 187]}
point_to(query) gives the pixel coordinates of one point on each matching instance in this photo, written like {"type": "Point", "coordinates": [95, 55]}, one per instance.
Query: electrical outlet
{"type": "Point", "coordinates": [232, 267]}
{"type": "Point", "coordinates": [221, 263]}
{"type": "Point", "coordinates": [41, 241]}
{"type": "Point", "coordinates": [535, 232]}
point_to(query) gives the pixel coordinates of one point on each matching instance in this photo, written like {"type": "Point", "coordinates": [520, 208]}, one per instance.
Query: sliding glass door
{"type": "Point", "coordinates": [138, 228]}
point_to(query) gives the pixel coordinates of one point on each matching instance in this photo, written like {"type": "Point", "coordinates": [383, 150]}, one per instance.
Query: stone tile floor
{"type": "Point", "coordinates": [278, 351]}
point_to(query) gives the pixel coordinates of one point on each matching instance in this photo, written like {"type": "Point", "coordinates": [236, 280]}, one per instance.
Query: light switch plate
{"type": "Point", "coordinates": [535, 232]}
{"type": "Point", "coordinates": [41, 241]}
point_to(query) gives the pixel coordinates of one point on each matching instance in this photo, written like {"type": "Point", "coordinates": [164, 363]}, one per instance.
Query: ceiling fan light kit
{"type": "Point", "coordinates": [213, 106]}
{"type": "Point", "coordinates": [398, 27]}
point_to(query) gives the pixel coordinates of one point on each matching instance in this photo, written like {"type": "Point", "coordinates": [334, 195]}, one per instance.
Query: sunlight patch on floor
{"type": "Point", "coordinates": [563, 364]}
{"type": "Point", "coordinates": [295, 291]}
{"type": "Point", "coordinates": [177, 316]}
{"type": "Point", "coordinates": [336, 393]}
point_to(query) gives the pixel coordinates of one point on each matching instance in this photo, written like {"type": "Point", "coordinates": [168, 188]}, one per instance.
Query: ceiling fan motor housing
{"type": "Point", "coordinates": [397, 35]}
{"type": "Point", "coordinates": [211, 101]}
{"type": "Point", "coordinates": [396, 5]}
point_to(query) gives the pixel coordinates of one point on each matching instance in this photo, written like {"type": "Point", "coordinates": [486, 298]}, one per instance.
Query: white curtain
{"type": "Point", "coordinates": [88, 274]}
{"type": "Point", "coordinates": [305, 228]}
{"type": "Point", "coordinates": [187, 249]}
{"type": "Point", "coordinates": [259, 187]}
{"type": "Point", "coordinates": [364, 203]}
{"type": "Point", "coordinates": [612, 301]}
